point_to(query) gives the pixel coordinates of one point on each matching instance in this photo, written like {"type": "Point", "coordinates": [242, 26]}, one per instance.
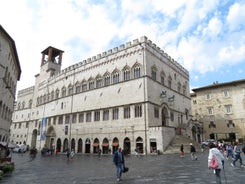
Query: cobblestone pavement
{"type": "Point", "coordinates": [89, 169]}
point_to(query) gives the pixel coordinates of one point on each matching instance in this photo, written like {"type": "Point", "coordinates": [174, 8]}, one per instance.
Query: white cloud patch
{"type": "Point", "coordinates": [203, 36]}
{"type": "Point", "coordinates": [214, 28]}
{"type": "Point", "coordinates": [236, 16]}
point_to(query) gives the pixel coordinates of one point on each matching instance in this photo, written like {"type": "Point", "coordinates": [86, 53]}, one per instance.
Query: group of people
{"type": "Point", "coordinates": [220, 153]}
{"type": "Point", "coordinates": [192, 151]}
{"type": "Point", "coordinates": [230, 151]}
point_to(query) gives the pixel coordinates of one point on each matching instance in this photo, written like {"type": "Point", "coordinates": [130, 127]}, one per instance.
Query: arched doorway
{"type": "Point", "coordinates": [115, 144]}
{"type": "Point", "coordinates": [73, 145]}
{"type": "Point", "coordinates": [140, 145]}
{"type": "Point", "coordinates": [105, 146]}
{"type": "Point", "coordinates": [80, 146]}
{"type": "Point", "coordinates": [65, 145]}
{"type": "Point", "coordinates": [58, 145]}
{"type": "Point", "coordinates": [50, 137]}
{"type": "Point", "coordinates": [194, 133]}
{"type": "Point", "coordinates": [34, 138]}
{"type": "Point", "coordinates": [126, 146]}
{"type": "Point", "coordinates": [87, 145]}
{"type": "Point", "coordinates": [232, 136]}
{"type": "Point", "coordinates": [96, 145]}
{"type": "Point", "coordinates": [153, 145]}
{"type": "Point", "coordinates": [164, 116]}
{"type": "Point", "coordinates": [199, 133]}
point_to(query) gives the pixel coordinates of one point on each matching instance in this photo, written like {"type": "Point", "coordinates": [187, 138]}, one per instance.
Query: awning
{"type": "Point", "coordinates": [105, 144]}
{"type": "Point", "coordinates": [115, 144]}
{"type": "Point", "coordinates": [95, 144]}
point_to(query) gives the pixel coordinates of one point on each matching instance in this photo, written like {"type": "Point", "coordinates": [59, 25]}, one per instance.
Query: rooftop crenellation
{"type": "Point", "coordinates": [115, 50]}
{"type": "Point", "coordinates": [129, 45]}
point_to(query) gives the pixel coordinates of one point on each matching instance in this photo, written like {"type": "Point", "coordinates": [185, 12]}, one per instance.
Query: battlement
{"type": "Point", "coordinates": [143, 40]}
{"type": "Point", "coordinates": [26, 91]}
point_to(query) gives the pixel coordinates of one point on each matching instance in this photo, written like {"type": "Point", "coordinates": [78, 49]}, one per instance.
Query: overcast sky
{"type": "Point", "coordinates": [207, 37]}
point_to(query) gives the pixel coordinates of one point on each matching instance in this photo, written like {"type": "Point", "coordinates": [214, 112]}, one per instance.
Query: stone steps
{"type": "Point", "coordinates": [174, 146]}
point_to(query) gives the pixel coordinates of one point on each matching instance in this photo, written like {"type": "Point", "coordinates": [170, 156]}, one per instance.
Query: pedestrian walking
{"type": "Point", "coordinates": [214, 153]}
{"type": "Point", "coordinates": [118, 159]}
{"type": "Point", "coordinates": [181, 150]}
{"type": "Point", "coordinates": [99, 153]}
{"type": "Point", "coordinates": [203, 147]}
{"type": "Point", "coordinates": [229, 152]}
{"type": "Point", "coordinates": [193, 152]}
{"type": "Point", "coordinates": [237, 155]}
{"type": "Point", "coordinates": [68, 153]}
{"type": "Point", "coordinates": [72, 154]}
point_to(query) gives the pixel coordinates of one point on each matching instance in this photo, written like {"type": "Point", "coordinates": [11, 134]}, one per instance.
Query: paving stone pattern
{"type": "Point", "coordinates": [89, 169]}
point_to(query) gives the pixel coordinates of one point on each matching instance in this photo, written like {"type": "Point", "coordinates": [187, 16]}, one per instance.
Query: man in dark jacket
{"type": "Point", "coordinates": [118, 160]}
{"type": "Point", "coordinates": [193, 152]}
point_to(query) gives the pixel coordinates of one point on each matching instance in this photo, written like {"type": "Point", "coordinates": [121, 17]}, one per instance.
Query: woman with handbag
{"type": "Point", "coordinates": [215, 161]}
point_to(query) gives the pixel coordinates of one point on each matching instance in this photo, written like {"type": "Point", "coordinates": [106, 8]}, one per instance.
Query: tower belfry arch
{"type": "Point", "coordinates": [52, 55]}
{"type": "Point", "coordinates": [51, 62]}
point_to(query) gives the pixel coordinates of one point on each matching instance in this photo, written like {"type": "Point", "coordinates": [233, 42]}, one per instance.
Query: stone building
{"type": "Point", "coordinates": [9, 75]}
{"type": "Point", "coordinates": [133, 96]}
{"type": "Point", "coordinates": [221, 109]}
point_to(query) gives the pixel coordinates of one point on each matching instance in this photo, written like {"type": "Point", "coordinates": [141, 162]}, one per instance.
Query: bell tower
{"type": "Point", "coordinates": [51, 61]}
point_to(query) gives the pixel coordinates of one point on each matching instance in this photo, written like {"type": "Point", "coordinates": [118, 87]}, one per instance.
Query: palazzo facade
{"type": "Point", "coordinates": [221, 109]}
{"type": "Point", "coordinates": [134, 96]}
{"type": "Point", "coordinates": [10, 72]}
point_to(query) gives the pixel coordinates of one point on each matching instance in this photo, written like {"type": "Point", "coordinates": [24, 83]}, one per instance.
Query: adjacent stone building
{"type": "Point", "coordinates": [221, 109]}
{"type": "Point", "coordinates": [134, 96]}
{"type": "Point", "coordinates": [10, 72]}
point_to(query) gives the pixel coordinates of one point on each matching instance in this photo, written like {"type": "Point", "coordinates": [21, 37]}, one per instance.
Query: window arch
{"type": "Point", "coordinates": [115, 76]}
{"type": "Point", "coordinates": [99, 81]}
{"type": "Point", "coordinates": [57, 92]}
{"type": "Point", "coordinates": [136, 71]}
{"type": "Point", "coordinates": [162, 76]}
{"type": "Point", "coordinates": [126, 73]}
{"type": "Point", "coordinates": [30, 103]}
{"type": "Point", "coordinates": [84, 85]}
{"type": "Point", "coordinates": [63, 93]}
{"type": "Point", "coordinates": [23, 105]}
{"type": "Point", "coordinates": [70, 89]}
{"type": "Point", "coordinates": [154, 73]}
{"type": "Point", "coordinates": [91, 83]}
{"type": "Point", "coordinates": [179, 87]}
{"type": "Point", "coordinates": [184, 89]}
{"type": "Point", "coordinates": [44, 98]}
{"type": "Point", "coordinates": [107, 79]}
{"type": "Point", "coordinates": [169, 81]}
{"type": "Point", "coordinates": [52, 95]}
{"type": "Point", "coordinates": [77, 87]}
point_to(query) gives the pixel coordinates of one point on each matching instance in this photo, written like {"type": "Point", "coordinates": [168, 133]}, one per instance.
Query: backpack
{"type": "Point", "coordinates": [214, 163]}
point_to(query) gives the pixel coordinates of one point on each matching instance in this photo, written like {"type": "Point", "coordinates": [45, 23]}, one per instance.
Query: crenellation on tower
{"type": "Point", "coordinates": [109, 51]}
{"type": "Point", "coordinates": [122, 47]}
{"type": "Point", "coordinates": [128, 44]}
